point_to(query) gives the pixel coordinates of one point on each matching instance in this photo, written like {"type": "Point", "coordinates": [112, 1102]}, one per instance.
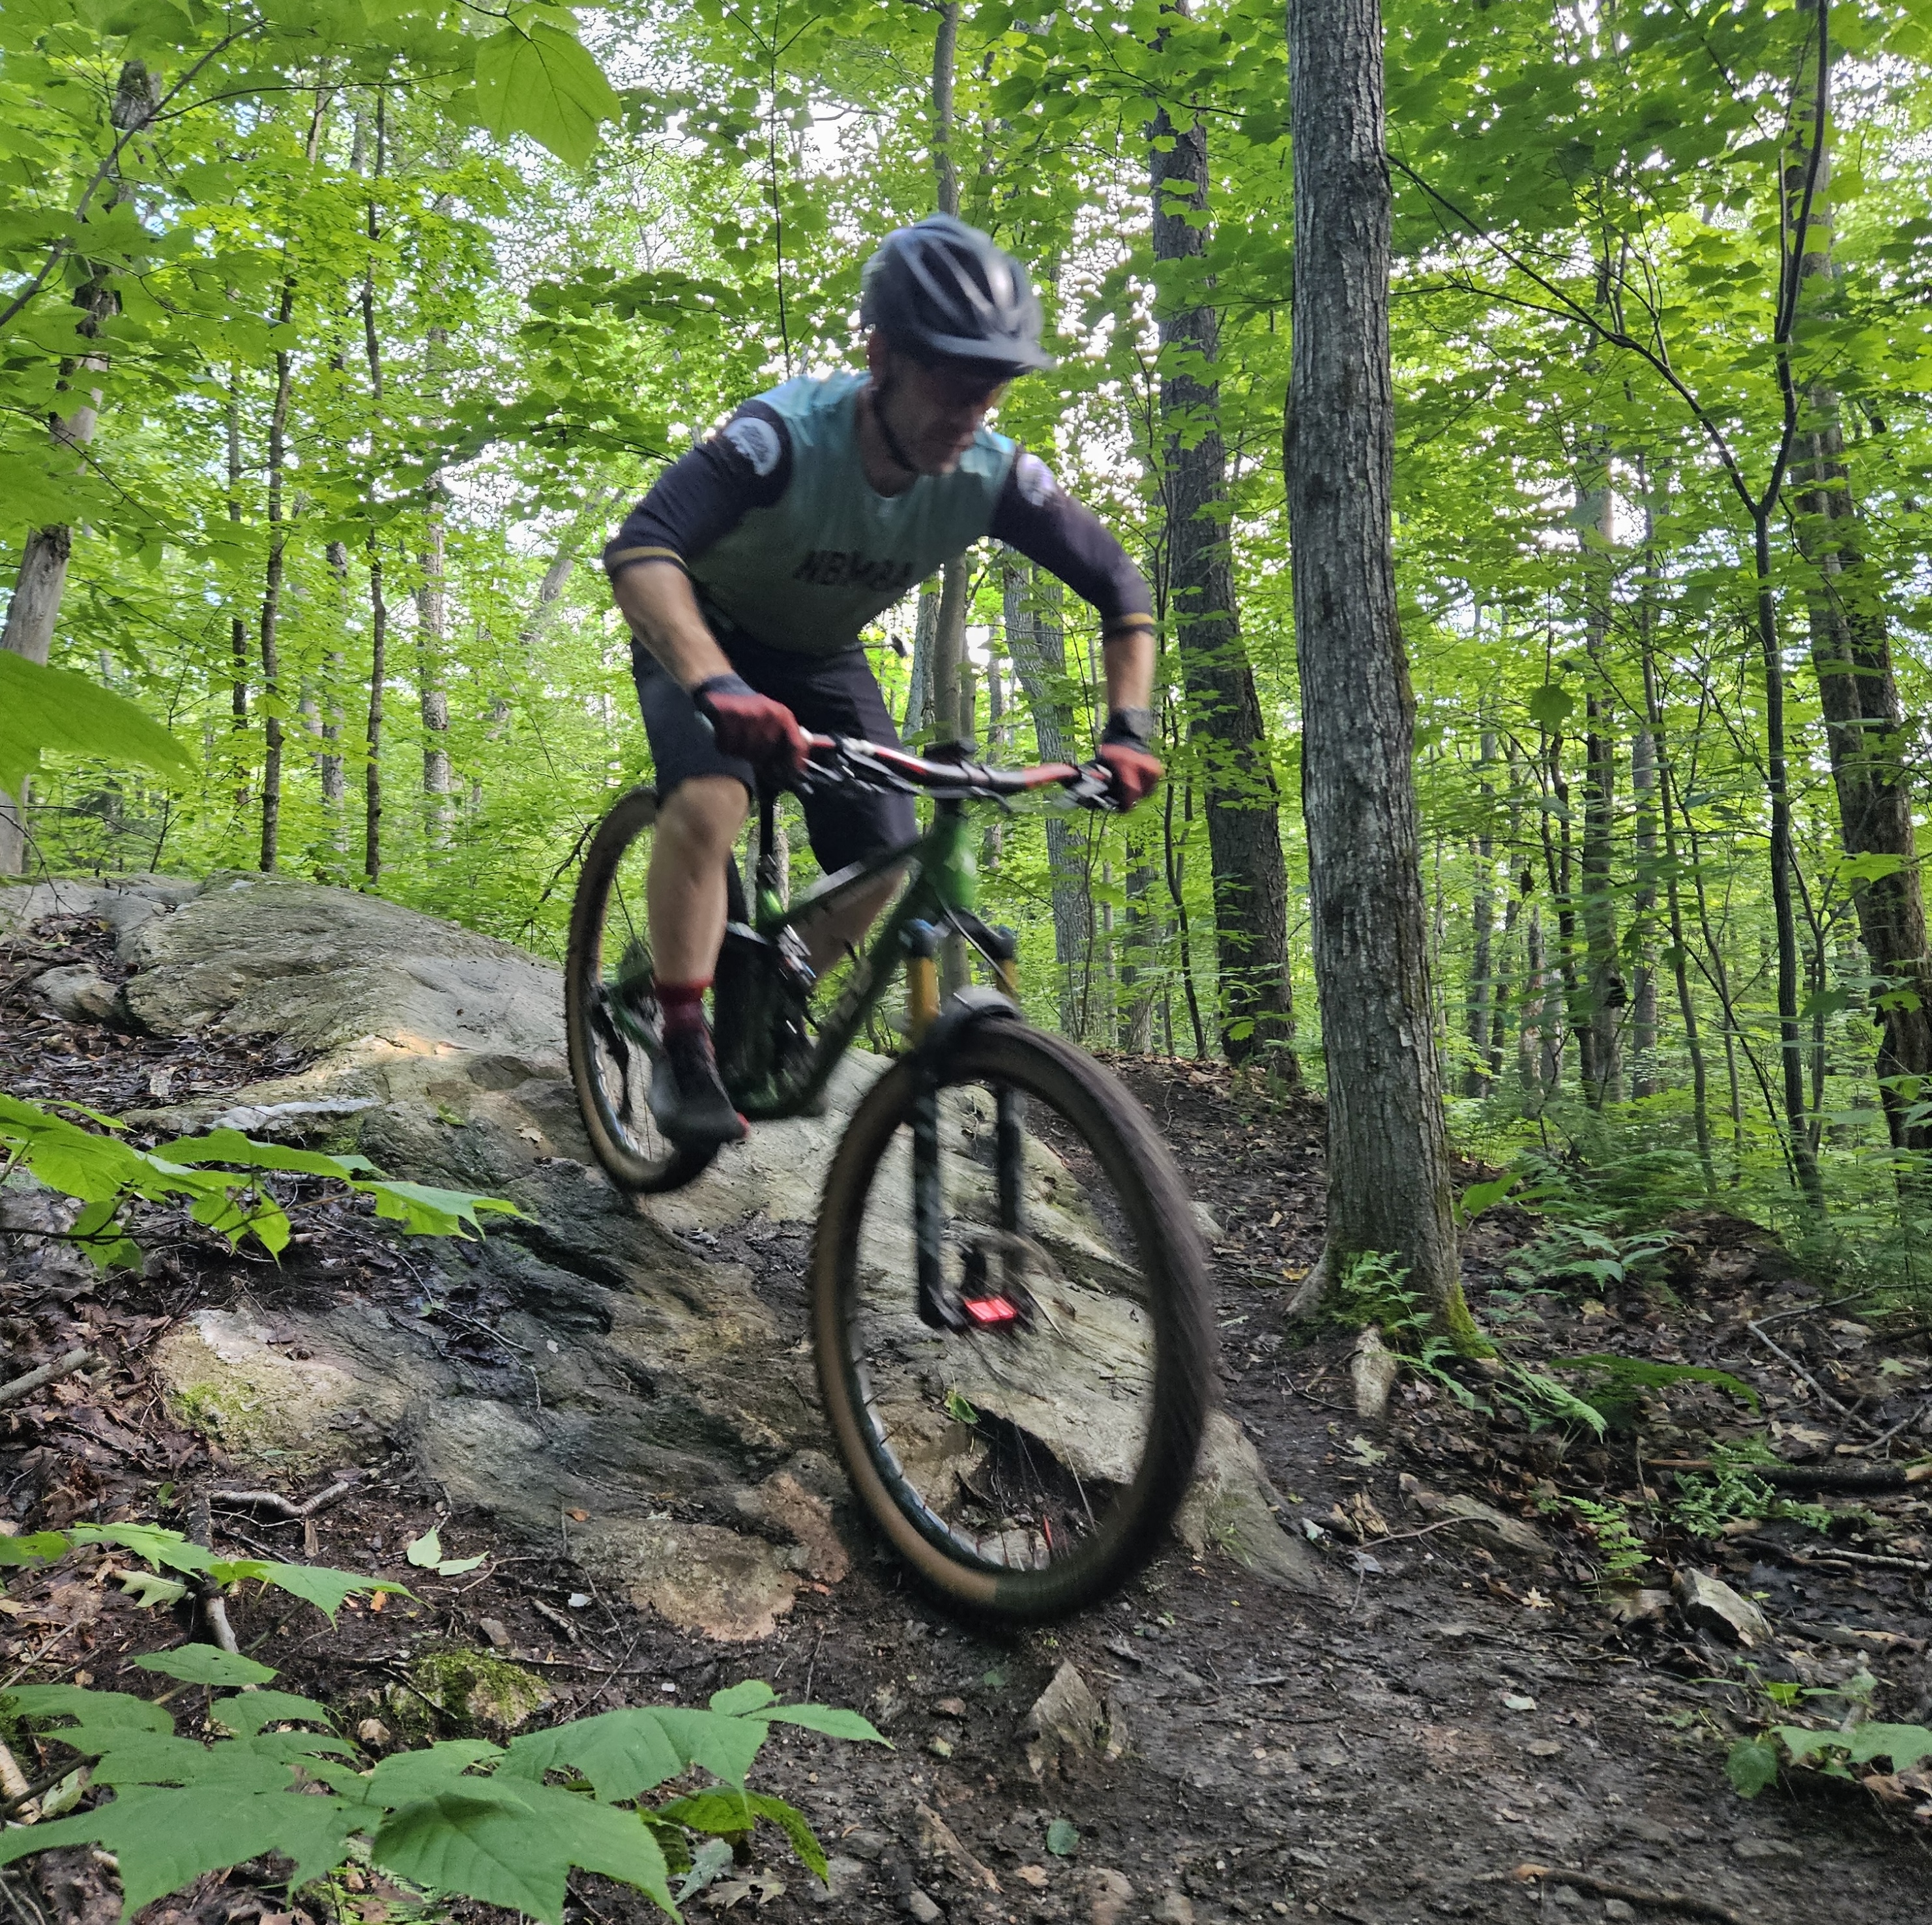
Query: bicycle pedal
{"type": "Point", "coordinates": [990, 1312]}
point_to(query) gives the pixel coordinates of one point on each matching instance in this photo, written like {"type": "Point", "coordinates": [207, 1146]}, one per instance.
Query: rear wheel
{"type": "Point", "coordinates": [611, 1016]}
{"type": "Point", "coordinates": [1024, 1446]}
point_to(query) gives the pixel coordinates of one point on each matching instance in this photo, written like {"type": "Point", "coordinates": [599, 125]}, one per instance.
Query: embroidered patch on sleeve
{"type": "Point", "coordinates": [1035, 480]}
{"type": "Point", "coordinates": [757, 441]}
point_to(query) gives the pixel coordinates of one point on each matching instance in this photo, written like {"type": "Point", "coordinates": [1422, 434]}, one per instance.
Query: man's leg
{"type": "Point", "coordinates": [698, 824]}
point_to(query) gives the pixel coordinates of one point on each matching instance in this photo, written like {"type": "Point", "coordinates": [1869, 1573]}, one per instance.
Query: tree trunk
{"type": "Point", "coordinates": [918, 683]}
{"type": "Point", "coordinates": [1037, 646]}
{"type": "Point", "coordinates": [272, 595]}
{"type": "Point", "coordinates": [1600, 1030]}
{"type": "Point", "coordinates": [330, 768]}
{"type": "Point", "coordinates": [1482, 919]}
{"type": "Point", "coordinates": [378, 605]}
{"type": "Point", "coordinates": [1225, 731]}
{"type": "Point", "coordinates": [1389, 1187]}
{"type": "Point", "coordinates": [1867, 731]}
{"type": "Point", "coordinates": [432, 625]}
{"type": "Point", "coordinates": [41, 582]}
{"type": "Point", "coordinates": [1644, 1078]}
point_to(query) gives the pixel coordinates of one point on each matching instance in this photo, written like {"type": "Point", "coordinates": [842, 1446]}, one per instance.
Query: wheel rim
{"type": "Point", "coordinates": [620, 1025]}
{"type": "Point", "coordinates": [1010, 1448]}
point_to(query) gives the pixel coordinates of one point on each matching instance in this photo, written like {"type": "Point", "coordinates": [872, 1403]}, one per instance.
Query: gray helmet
{"type": "Point", "coordinates": [942, 291]}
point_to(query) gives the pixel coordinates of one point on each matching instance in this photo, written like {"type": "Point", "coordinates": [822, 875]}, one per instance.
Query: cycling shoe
{"type": "Point", "coordinates": [688, 1100]}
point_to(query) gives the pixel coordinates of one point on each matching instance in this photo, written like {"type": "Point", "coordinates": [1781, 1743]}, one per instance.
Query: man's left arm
{"type": "Point", "coordinates": [1035, 516]}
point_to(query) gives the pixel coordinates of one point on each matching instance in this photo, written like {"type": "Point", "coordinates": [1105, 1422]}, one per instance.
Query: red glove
{"type": "Point", "coordinates": [1133, 770]}
{"type": "Point", "coordinates": [750, 726]}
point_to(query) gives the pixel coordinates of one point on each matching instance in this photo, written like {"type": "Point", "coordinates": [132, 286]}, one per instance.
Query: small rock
{"type": "Point", "coordinates": [1711, 1605]}
{"type": "Point", "coordinates": [373, 1730]}
{"type": "Point", "coordinates": [496, 1631]}
{"type": "Point", "coordinates": [1634, 1824]}
{"type": "Point", "coordinates": [1614, 1907]}
{"type": "Point", "coordinates": [870, 1846]}
{"type": "Point", "coordinates": [1067, 1721]}
{"type": "Point", "coordinates": [951, 1707]}
{"type": "Point", "coordinates": [1506, 1536]}
{"type": "Point", "coordinates": [1637, 1604]}
{"type": "Point", "coordinates": [920, 1907]}
{"type": "Point", "coordinates": [843, 1876]}
{"type": "Point", "coordinates": [939, 1747]}
{"type": "Point", "coordinates": [1757, 1849]}
{"type": "Point", "coordinates": [1567, 1895]}
{"type": "Point", "coordinates": [1174, 1908]}
{"type": "Point", "coordinates": [1034, 1875]}
{"type": "Point", "coordinates": [1544, 1748]}
{"type": "Point", "coordinates": [1314, 1861]}
{"type": "Point", "coordinates": [78, 992]}
{"type": "Point", "coordinates": [939, 1844]}
{"type": "Point", "coordinates": [1109, 1893]}
{"type": "Point", "coordinates": [1373, 1370]}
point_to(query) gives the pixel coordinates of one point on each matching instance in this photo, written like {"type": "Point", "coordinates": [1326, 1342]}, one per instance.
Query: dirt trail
{"type": "Point", "coordinates": [1391, 1757]}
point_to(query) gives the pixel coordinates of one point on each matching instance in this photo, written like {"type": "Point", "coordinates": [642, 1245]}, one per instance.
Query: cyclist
{"type": "Point", "coordinates": [748, 571]}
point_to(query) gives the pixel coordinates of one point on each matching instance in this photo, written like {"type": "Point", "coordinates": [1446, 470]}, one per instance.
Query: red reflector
{"type": "Point", "coordinates": [990, 1309]}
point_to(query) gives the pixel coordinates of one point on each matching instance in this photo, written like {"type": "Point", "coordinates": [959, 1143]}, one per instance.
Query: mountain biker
{"type": "Point", "coordinates": [748, 571]}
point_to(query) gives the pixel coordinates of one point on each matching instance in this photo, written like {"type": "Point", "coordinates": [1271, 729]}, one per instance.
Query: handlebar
{"type": "Point", "coordinates": [852, 757]}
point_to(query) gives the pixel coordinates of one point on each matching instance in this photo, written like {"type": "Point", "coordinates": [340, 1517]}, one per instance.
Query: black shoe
{"type": "Point", "coordinates": [688, 1101]}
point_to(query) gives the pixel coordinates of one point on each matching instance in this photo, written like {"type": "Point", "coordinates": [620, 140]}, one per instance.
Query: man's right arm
{"type": "Point", "coordinates": [697, 501]}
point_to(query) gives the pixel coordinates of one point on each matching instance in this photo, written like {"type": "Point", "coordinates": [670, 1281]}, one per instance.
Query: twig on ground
{"type": "Point", "coordinates": [34, 1657]}
{"type": "Point", "coordinates": [1798, 1371]}
{"type": "Point", "coordinates": [36, 1379]}
{"type": "Point", "coordinates": [1815, 1309]}
{"type": "Point", "coordinates": [207, 1591]}
{"type": "Point", "coordinates": [1685, 1902]}
{"type": "Point", "coordinates": [287, 1509]}
{"type": "Point", "coordinates": [1813, 1476]}
{"type": "Point", "coordinates": [1885, 1436]}
{"type": "Point", "coordinates": [1832, 1555]}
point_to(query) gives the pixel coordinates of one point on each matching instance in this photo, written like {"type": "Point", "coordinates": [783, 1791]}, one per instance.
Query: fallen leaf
{"type": "Point", "coordinates": [1515, 1701]}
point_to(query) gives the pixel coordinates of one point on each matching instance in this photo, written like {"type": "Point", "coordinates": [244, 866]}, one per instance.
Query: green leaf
{"type": "Point", "coordinates": [1551, 705]}
{"type": "Point", "coordinates": [622, 1753]}
{"type": "Point", "coordinates": [410, 1775]}
{"type": "Point", "coordinates": [539, 80]}
{"type": "Point", "coordinates": [482, 1847]}
{"type": "Point", "coordinates": [1480, 1196]}
{"type": "Point", "coordinates": [726, 1747]}
{"type": "Point", "coordinates": [232, 1146]}
{"type": "Point", "coordinates": [205, 1664]}
{"type": "Point", "coordinates": [830, 1720]}
{"type": "Point", "coordinates": [424, 1552]}
{"type": "Point", "coordinates": [1063, 1838]}
{"type": "Point", "coordinates": [424, 1211]}
{"type": "Point", "coordinates": [42, 1548]}
{"type": "Point", "coordinates": [147, 1588]}
{"type": "Point", "coordinates": [323, 1587]}
{"type": "Point", "coordinates": [245, 1714]}
{"type": "Point", "coordinates": [796, 1827]}
{"type": "Point", "coordinates": [52, 708]}
{"type": "Point", "coordinates": [102, 1710]}
{"type": "Point", "coordinates": [1905, 1745]}
{"type": "Point", "coordinates": [752, 1695]}
{"type": "Point", "coordinates": [149, 1541]}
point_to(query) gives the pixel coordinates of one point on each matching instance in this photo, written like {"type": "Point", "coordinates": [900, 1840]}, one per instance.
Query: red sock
{"type": "Point", "coordinates": [682, 1004]}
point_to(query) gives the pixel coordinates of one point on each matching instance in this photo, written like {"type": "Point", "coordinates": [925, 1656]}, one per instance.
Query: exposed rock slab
{"type": "Point", "coordinates": [636, 1371]}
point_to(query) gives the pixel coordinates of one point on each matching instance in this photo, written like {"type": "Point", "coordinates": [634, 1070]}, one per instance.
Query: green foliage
{"type": "Point", "coordinates": [1704, 1505]}
{"type": "Point", "coordinates": [52, 708]}
{"type": "Point", "coordinates": [101, 1170]}
{"type": "Point", "coordinates": [1371, 1289]}
{"type": "Point", "coordinates": [317, 1584]}
{"type": "Point", "coordinates": [1754, 1763]}
{"type": "Point", "coordinates": [464, 1818]}
{"type": "Point", "coordinates": [1618, 1382]}
{"type": "Point", "coordinates": [426, 1553]}
{"type": "Point", "coordinates": [1622, 1557]}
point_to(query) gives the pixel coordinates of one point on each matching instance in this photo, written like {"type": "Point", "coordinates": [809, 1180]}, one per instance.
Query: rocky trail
{"type": "Point", "coordinates": [1384, 1676]}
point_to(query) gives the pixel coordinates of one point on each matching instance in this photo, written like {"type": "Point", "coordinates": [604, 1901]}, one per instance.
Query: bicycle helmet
{"type": "Point", "coordinates": [942, 291]}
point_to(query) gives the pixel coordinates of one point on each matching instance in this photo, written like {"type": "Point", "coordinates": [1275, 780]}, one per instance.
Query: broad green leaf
{"type": "Point", "coordinates": [42, 1546]}
{"type": "Point", "coordinates": [540, 80]}
{"type": "Point", "coordinates": [325, 1588]}
{"type": "Point", "coordinates": [426, 1551]}
{"type": "Point", "coordinates": [53, 708]}
{"type": "Point", "coordinates": [752, 1695]}
{"type": "Point", "coordinates": [1905, 1745]}
{"type": "Point", "coordinates": [425, 1211]}
{"type": "Point", "coordinates": [1063, 1838]}
{"type": "Point", "coordinates": [246, 1712]}
{"type": "Point", "coordinates": [1750, 1766]}
{"type": "Point", "coordinates": [206, 1664]}
{"type": "Point", "coordinates": [167, 1547]}
{"type": "Point", "coordinates": [232, 1146]}
{"type": "Point", "coordinates": [623, 1753]}
{"type": "Point", "coordinates": [726, 1747]}
{"type": "Point", "coordinates": [1551, 706]}
{"type": "Point", "coordinates": [830, 1720]}
{"type": "Point", "coordinates": [797, 1827]}
{"type": "Point", "coordinates": [407, 1775]}
{"type": "Point", "coordinates": [722, 1814]}
{"type": "Point", "coordinates": [102, 1710]}
{"type": "Point", "coordinates": [147, 1588]}
{"type": "Point", "coordinates": [484, 1847]}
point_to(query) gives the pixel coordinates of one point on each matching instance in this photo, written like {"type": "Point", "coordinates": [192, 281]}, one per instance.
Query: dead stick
{"type": "Point", "coordinates": [36, 1379]}
{"type": "Point", "coordinates": [1798, 1371]}
{"type": "Point", "coordinates": [1812, 1477]}
{"type": "Point", "coordinates": [208, 1592]}
{"type": "Point", "coordinates": [289, 1511]}
{"type": "Point", "coordinates": [1658, 1901]}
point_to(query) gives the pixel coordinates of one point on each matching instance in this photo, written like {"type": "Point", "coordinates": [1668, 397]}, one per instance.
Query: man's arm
{"type": "Point", "coordinates": [1047, 526]}
{"type": "Point", "coordinates": [697, 501]}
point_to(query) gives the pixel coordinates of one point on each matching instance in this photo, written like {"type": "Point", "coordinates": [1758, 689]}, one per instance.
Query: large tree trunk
{"type": "Point", "coordinates": [1482, 926]}
{"type": "Point", "coordinates": [41, 582]}
{"type": "Point", "coordinates": [271, 597]}
{"type": "Point", "coordinates": [1389, 1187]}
{"type": "Point", "coordinates": [1037, 645]}
{"type": "Point", "coordinates": [1600, 1031]}
{"type": "Point", "coordinates": [432, 699]}
{"type": "Point", "coordinates": [1870, 741]}
{"type": "Point", "coordinates": [379, 605]}
{"type": "Point", "coordinates": [1225, 729]}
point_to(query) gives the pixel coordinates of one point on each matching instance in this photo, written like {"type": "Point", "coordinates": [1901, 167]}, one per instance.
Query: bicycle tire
{"type": "Point", "coordinates": [633, 1156]}
{"type": "Point", "coordinates": [1115, 1131]}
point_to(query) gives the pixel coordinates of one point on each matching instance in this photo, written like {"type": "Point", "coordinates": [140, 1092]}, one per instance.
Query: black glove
{"type": "Point", "coordinates": [751, 727]}
{"type": "Point", "coordinates": [1133, 770]}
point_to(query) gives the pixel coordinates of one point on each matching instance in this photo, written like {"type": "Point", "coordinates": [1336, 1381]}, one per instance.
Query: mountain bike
{"type": "Point", "coordinates": [1008, 1298]}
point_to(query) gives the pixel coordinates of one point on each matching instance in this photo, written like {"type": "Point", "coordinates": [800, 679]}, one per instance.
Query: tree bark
{"type": "Point", "coordinates": [1482, 920]}
{"type": "Point", "coordinates": [272, 595]}
{"type": "Point", "coordinates": [432, 699]}
{"type": "Point", "coordinates": [1600, 1032]}
{"type": "Point", "coordinates": [1388, 1159]}
{"type": "Point", "coordinates": [41, 581]}
{"type": "Point", "coordinates": [1225, 729]}
{"type": "Point", "coordinates": [1037, 645]}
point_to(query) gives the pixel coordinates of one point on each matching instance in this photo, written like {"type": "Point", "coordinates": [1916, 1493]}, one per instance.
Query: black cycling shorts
{"type": "Point", "coordinates": [831, 695]}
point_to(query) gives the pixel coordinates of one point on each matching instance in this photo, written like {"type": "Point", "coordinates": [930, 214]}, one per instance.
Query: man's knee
{"type": "Point", "coordinates": [706, 812]}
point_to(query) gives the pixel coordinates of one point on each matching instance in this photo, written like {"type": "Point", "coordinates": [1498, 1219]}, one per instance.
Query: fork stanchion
{"type": "Point", "coordinates": [922, 941]}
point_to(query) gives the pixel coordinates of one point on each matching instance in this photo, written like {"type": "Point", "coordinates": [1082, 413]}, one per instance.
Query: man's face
{"type": "Point", "coordinates": [934, 411]}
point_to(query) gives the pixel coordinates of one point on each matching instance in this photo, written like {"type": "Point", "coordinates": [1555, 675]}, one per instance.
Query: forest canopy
{"type": "Point", "coordinates": [336, 336]}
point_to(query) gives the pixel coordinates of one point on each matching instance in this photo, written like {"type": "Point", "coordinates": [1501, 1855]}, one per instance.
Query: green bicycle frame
{"type": "Point", "coordinates": [942, 888]}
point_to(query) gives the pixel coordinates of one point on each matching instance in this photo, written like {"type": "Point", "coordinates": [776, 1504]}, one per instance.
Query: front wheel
{"type": "Point", "coordinates": [611, 1018]}
{"type": "Point", "coordinates": [1010, 1314]}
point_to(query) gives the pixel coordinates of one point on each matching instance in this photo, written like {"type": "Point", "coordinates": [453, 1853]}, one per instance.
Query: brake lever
{"type": "Point", "coordinates": [1092, 788]}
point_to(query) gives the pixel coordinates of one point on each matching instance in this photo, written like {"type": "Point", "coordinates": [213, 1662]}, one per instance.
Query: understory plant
{"type": "Point", "coordinates": [463, 1818]}
{"type": "Point", "coordinates": [221, 1176]}
{"type": "Point", "coordinates": [1836, 1749]}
